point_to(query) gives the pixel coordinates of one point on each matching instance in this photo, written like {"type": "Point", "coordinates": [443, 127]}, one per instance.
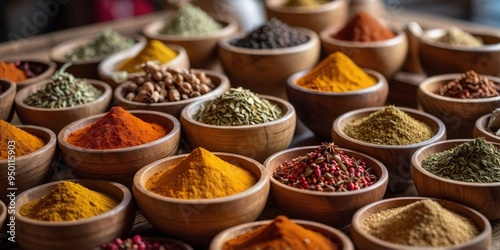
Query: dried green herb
{"type": "Point", "coordinates": [190, 20]}
{"type": "Point", "coordinates": [104, 44]}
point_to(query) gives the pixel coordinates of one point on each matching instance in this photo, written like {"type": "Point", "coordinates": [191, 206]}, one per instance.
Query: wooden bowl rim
{"type": "Point", "coordinates": [124, 202]}
{"type": "Point", "coordinates": [416, 165]}
{"type": "Point", "coordinates": [325, 7]}
{"type": "Point", "coordinates": [3, 212]}
{"type": "Point", "coordinates": [480, 126]}
{"type": "Point", "coordinates": [229, 26]}
{"type": "Point", "coordinates": [51, 67]}
{"type": "Point", "coordinates": [381, 82]}
{"type": "Point", "coordinates": [410, 111]}
{"type": "Point", "coordinates": [224, 83]}
{"type": "Point", "coordinates": [356, 224]}
{"type": "Point", "coordinates": [438, 79]}
{"type": "Point", "coordinates": [50, 143]}
{"type": "Point", "coordinates": [260, 184]}
{"type": "Point", "coordinates": [382, 179]}
{"type": "Point", "coordinates": [428, 35]}
{"type": "Point", "coordinates": [313, 41]}
{"type": "Point", "coordinates": [326, 33]}
{"type": "Point", "coordinates": [11, 88]}
{"type": "Point", "coordinates": [218, 239]}
{"type": "Point", "coordinates": [176, 129]}
{"type": "Point", "coordinates": [289, 114]}
{"type": "Point", "coordinates": [57, 53]}
{"type": "Point", "coordinates": [106, 94]}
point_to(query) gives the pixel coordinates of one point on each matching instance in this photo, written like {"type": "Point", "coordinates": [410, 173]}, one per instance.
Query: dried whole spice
{"type": "Point", "coordinates": [327, 168]}
{"type": "Point", "coordinates": [471, 85]}
{"type": "Point", "coordinates": [141, 243]}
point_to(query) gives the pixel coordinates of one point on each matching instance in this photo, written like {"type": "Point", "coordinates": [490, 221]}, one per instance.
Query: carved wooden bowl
{"type": "Point", "coordinates": [7, 99]}
{"type": "Point", "coordinates": [480, 129]}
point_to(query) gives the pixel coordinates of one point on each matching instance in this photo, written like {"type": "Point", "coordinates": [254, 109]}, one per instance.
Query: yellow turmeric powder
{"type": "Point", "coordinates": [68, 201]}
{"type": "Point", "coordinates": [154, 51]}
{"type": "Point", "coordinates": [336, 73]}
{"type": "Point", "coordinates": [24, 142]}
{"type": "Point", "coordinates": [201, 175]}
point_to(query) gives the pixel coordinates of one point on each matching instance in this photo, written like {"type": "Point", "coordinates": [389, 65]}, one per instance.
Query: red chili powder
{"type": "Point", "coordinates": [364, 28]}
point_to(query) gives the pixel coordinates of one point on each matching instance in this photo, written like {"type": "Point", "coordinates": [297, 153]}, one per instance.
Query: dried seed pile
{"type": "Point", "coordinates": [238, 107]}
{"type": "Point", "coordinates": [423, 223]}
{"type": "Point", "coordinates": [63, 90]}
{"type": "Point", "coordinates": [138, 242]}
{"type": "Point", "coordinates": [272, 34]}
{"type": "Point", "coordinates": [159, 84]}
{"type": "Point", "coordinates": [469, 86]}
{"type": "Point", "coordinates": [104, 44]}
{"type": "Point", "coordinates": [30, 69]}
{"type": "Point", "coordinates": [474, 161]}
{"type": "Point", "coordinates": [327, 168]}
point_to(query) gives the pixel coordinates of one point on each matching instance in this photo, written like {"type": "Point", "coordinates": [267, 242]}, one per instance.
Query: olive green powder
{"type": "Point", "coordinates": [190, 20]}
{"type": "Point", "coordinates": [389, 126]}
{"type": "Point", "coordinates": [104, 44]}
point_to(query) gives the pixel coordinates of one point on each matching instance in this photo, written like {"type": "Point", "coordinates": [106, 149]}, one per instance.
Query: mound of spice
{"type": "Point", "coordinates": [31, 69]}
{"type": "Point", "coordinates": [104, 44]}
{"type": "Point", "coordinates": [155, 51]}
{"type": "Point", "coordinates": [389, 126]}
{"type": "Point", "coordinates": [117, 129]}
{"type": "Point", "coordinates": [190, 20]}
{"type": "Point", "coordinates": [476, 161]}
{"type": "Point", "coordinates": [63, 90]}
{"type": "Point", "coordinates": [273, 34]}
{"type": "Point", "coordinates": [24, 142]}
{"type": "Point", "coordinates": [305, 3]}
{"type": "Point", "coordinates": [68, 201]}
{"type": "Point", "coordinates": [281, 233]}
{"type": "Point", "coordinates": [238, 107]}
{"type": "Point", "coordinates": [457, 37]}
{"type": "Point", "coordinates": [469, 86]}
{"type": "Point", "coordinates": [201, 175]}
{"type": "Point", "coordinates": [336, 73]}
{"type": "Point", "coordinates": [11, 72]}
{"type": "Point", "coordinates": [363, 27]}
{"type": "Point", "coordinates": [160, 84]}
{"type": "Point", "coordinates": [423, 224]}
{"type": "Point", "coordinates": [138, 242]}
{"type": "Point", "coordinates": [327, 169]}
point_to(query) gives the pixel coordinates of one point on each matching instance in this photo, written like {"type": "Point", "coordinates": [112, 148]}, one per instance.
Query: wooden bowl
{"type": "Point", "coordinates": [3, 215]}
{"type": "Point", "coordinates": [459, 115]}
{"type": "Point", "coordinates": [336, 236]}
{"type": "Point", "coordinates": [363, 240]}
{"type": "Point", "coordinates": [7, 99]}
{"type": "Point", "coordinates": [175, 108]}
{"type": "Point", "coordinates": [121, 164]}
{"type": "Point", "coordinates": [480, 129]}
{"type": "Point", "coordinates": [80, 234]}
{"type": "Point", "coordinates": [331, 208]}
{"type": "Point", "coordinates": [396, 158]}
{"type": "Point", "coordinates": [480, 196]}
{"type": "Point", "coordinates": [316, 18]}
{"type": "Point", "coordinates": [85, 68]}
{"type": "Point", "coordinates": [255, 141]}
{"type": "Point", "coordinates": [56, 118]}
{"type": "Point", "coordinates": [201, 49]}
{"type": "Point", "coordinates": [386, 57]}
{"type": "Point", "coordinates": [197, 221]}
{"type": "Point", "coordinates": [47, 67]}
{"type": "Point", "coordinates": [109, 66]}
{"type": "Point", "coordinates": [318, 109]}
{"type": "Point", "coordinates": [437, 58]}
{"type": "Point", "coordinates": [31, 169]}
{"type": "Point", "coordinates": [265, 71]}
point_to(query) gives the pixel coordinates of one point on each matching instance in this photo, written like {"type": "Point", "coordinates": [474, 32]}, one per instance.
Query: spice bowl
{"type": "Point", "coordinates": [56, 118]}
{"type": "Point", "coordinates": [257, 141]}
{"type": "Point", "coordinates": [318, 109]}
{"type": "Point", "coordinates": [201, 49]}
{"type": "Point", "coordinates": [480, 129]}
{"type": "Point", "coordinates": [337, 237]}
{"type": "Point", "coordinates": [386, 57]}
{"type": "Point", "coordinates": [108, 68]}
{"type": "Point", "coordinates": [331, 208]}
{"type": "Point", "coordinates": [44, 68]}
{"type": "Point", "coordinates": [3, 214]}
{"type": "Point", "coordinates": [363, 240]}
{"type": "Point", "coordinates": [79, 234]}
{"type": "Point", "coordinates": [7, 97]}
{"type": "Point", "coordinates": [197, 221]}
{"type": "Point", "coordinates": [479, 196]}
{"type": "Point", "coordinates": [396, 158]}
{"type": "Point", "coordinates": [438, 58]}
{"type": "Point", "coordinates": [459, 115]}
{"type": "Point", "coordinates": [174, 108]}
{"type": "Point", "coordinates": [31, 169]}
{"type": "Point", "coordinates": [120, 164]}
{"type": "Point", "coordinates": [316, 18]}
{"type": "Point", "coordinates": [265, 71]}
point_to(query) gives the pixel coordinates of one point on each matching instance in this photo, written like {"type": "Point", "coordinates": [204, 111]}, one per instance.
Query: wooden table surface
{"type": "Point", "coordinates": [402, 88]}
